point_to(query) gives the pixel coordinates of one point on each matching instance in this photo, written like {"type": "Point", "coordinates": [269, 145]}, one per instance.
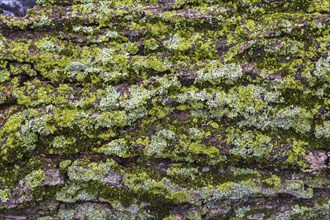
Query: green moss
{"type": "Point", "coordinates": [274, 181]}
{"type": "Point", "coordinates": [178, 197]}
{"type": "Point", "coordinates": [4, 195]}
{"type": "Point", "coordinates": [199, 148]}
{"type": "Point", "coordinates": [4, 75]}
{"type": "Point", "coordinates": [65, 164]}
{"type": "Point", "coordinates": [156, 64]}
{"type": "Point", "coordinates": [297, 154]}
{"type": "Point", "coordinates": [151, 44]}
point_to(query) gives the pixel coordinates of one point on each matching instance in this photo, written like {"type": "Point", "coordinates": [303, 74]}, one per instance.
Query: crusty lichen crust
{"type": "Point", "coordinates": [169, 109]}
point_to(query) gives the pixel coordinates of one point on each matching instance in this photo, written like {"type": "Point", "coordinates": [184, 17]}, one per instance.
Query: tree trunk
{"type": "Point", "coordinates": [168, 109]}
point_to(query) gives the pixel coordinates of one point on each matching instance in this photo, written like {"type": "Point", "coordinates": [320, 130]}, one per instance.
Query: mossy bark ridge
{"type": "Point", "coordinates": [168, 109]}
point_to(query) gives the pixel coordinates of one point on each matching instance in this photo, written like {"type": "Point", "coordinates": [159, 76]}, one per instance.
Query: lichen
{"type": "Point", "coordinates": [181, 109]}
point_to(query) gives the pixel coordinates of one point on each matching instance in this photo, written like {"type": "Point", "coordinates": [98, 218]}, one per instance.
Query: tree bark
{"type": "Point", "coordinates": [168, 109]}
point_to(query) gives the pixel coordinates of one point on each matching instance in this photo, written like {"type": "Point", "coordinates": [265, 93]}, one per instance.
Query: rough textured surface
{"type": "Point", "coordinates": [16, 7]}
{"type": "Point", "coordinates": [176, 109]}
